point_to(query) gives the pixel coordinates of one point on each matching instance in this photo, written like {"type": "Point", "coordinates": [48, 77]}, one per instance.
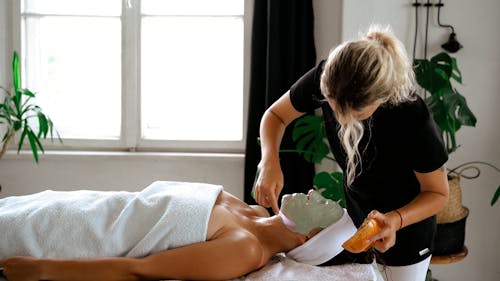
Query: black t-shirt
{"type": "Point", "coordinates": [397, 141]}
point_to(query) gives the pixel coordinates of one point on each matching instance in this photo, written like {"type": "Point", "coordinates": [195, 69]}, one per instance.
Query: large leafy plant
{"type": "Point", "coordinates": [449, 107]}
{"type": "Point", "coordinates": [18, 113]}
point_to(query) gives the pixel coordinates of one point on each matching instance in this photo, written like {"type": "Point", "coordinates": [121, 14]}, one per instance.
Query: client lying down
{"type": "Point", "coordinates": [169, 230]}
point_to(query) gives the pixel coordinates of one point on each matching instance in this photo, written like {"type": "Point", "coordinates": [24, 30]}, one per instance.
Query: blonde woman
{"type": "Point", "coordinates": [382, 136]}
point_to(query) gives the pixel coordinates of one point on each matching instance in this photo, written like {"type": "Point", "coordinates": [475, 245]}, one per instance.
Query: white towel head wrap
{"type": "Point", "coordinates": [326, 244]}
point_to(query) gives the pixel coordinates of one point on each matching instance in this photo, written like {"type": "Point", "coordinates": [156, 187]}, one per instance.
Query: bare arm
{"type": "Point", "coordinates": [432, 199]}
{"type": "Point", "coordinates": [229, 256]}
{"type": "Point", "coordinates": [274, 121]}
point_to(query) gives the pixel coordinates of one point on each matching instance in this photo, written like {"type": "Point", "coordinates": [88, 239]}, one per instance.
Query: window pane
{"type": "Point", "coordinates": [74, 65]}
{"type": "Point", "coordinates": [192, 78]}
{"type": "Point", "coordinates": [73, 7]}
{"type": "Point", "coordinates": [192, 7]}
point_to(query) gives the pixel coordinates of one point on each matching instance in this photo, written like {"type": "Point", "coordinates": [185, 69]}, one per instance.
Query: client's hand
{"type": "Point", "coordinates": [21, 269]}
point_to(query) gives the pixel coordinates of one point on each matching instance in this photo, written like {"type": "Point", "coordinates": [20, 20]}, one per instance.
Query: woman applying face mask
{"type": "Point", "coordinates": [383, 137]}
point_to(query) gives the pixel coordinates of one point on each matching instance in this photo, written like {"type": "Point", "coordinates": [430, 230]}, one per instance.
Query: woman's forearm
{"type": "Point", "coordinates": [271, 133]}
{"type": "Point", "coordinates": [426, 204]}
{"type": "Point", "coordinates": [273, 124]}
{"type": "Point", "coordinates": [106, 269]}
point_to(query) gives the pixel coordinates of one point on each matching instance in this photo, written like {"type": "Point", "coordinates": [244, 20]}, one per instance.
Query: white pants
{"type": "Point", "coordinates": [413, 272]}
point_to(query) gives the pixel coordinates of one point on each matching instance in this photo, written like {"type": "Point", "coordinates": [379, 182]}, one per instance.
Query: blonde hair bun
{"type": "Point", "coordinates": [381, 34]}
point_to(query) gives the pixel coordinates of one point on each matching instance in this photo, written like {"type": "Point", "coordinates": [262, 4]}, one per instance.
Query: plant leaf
{"type": "Point", "coordinates": [28, 93]}
{"type": "Point", "coordinates": [455, 72]}
{"type": "Point", "coordinates": [21, 139]}
{"type": "Point", "coordinates": [495, 196]}
{"type": "Point", "coordinates": [443, 62]}
{"type": "Point", "coordinates": [438, 111]}
{"type": "Point", "coordinates": [430, 77]}
{"type": "Point", "coordinates": [42, 125]}
{"type": "Point", "coordinates": [33, 144]}
{"type": "Point", "coordinates": [463, 113]}
{"type": "Point", "coordinates": [16, 72]}
{"type": "Point", "coordinates": [309, 135]}
{"type": "Point", "coordinates": [332, 185]}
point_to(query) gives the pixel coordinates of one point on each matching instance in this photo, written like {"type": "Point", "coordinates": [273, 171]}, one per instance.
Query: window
{"type": "Point", "coordinates": [147, 75]}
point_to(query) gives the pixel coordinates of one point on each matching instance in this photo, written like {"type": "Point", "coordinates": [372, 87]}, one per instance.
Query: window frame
{"type": "Point", "coordinates": [130, 138]}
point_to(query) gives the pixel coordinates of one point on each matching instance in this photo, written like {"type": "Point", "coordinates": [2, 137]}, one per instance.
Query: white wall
{"type": "Point", "coordinates": [117, 171]}
{"type": "Point", "coordinates": [476, 24]}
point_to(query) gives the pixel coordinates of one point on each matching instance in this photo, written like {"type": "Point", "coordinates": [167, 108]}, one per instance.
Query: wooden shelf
{"type": "Point", "coordinates": [451, 258]}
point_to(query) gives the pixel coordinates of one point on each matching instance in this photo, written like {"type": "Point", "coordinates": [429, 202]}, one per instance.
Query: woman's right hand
{"type": "Point", "coordinates": [268, 184]}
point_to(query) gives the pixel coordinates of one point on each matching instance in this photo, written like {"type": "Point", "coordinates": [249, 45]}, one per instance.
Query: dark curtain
{"type": "Point", "coordinates": [282, 51]}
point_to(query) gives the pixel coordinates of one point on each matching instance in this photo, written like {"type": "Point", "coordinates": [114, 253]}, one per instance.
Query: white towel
{"type": "Point", "coordinates": [86, 224]}
{"type": "Point", "coordinates": [281, 268]}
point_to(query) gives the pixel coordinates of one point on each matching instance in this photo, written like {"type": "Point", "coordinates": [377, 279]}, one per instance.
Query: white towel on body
{"type": "Point", "coordinates": [86, 224]}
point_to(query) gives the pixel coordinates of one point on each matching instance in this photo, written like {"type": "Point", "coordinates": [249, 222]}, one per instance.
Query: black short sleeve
{"type": "Point", "coordinates": [429, 152]}
{"type": "Point", "coordinates": [305, 94]}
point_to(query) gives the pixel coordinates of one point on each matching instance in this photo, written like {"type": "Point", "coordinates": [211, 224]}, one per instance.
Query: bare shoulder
{"type": "Point", "coordinates": [261, 211]}
{"type": "Point", "coordinates": [249, 247]}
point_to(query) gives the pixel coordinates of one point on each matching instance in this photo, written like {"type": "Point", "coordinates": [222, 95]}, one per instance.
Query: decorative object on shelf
{"type": "Point", "coordinates": [18, 113]}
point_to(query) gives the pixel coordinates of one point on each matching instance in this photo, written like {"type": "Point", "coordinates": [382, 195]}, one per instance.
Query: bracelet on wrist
{"type": "Point", "coordinates": [400, 219]}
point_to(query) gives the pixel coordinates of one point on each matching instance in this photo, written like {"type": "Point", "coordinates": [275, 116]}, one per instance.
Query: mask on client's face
{"type": "Point", "coordinates": [303, 214]}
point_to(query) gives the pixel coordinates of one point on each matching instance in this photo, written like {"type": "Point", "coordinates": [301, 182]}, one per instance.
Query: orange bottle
{"type": "Point", "coordinates": [358, 243]}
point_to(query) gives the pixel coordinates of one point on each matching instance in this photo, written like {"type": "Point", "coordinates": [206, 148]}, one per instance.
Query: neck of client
{"type": "Point", "coordinates": [275, 236]}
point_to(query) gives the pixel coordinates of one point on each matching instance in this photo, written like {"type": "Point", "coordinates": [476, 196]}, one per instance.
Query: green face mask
{"type": "Point", "coordinates": [303, 213]}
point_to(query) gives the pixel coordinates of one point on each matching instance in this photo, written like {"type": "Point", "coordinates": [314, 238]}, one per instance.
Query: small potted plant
{"type": "Point", "coordinates": [18, 113]}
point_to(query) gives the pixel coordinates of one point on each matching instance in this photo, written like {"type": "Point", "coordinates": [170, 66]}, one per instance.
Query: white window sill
{"type": "Point", "coordinates": [65, 154]}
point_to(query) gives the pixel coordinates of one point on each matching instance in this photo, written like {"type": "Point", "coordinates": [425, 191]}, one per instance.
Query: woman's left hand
{"type": "Point", "coordinates": [389, 224]}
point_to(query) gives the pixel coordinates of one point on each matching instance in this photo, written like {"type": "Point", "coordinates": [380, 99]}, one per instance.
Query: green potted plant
{"type": "Point", "coordinates": [451, 112]}
{"type": "Point", "coordinates": [18, 113]}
